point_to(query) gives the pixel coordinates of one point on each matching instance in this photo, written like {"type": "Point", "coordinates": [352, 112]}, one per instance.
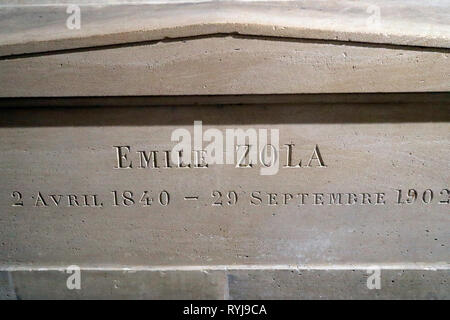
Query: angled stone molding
{"type": "Point", "coordinates": [224, 48]}
{"type": "Point", "coordinates": [226, 65]}
{"type": "Point", "coordinates": [28, 28]}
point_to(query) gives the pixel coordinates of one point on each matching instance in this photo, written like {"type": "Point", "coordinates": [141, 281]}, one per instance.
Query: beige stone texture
{"type": "Point", "coordinates": [31, 29]}
{"type": "Point", "coordinates": [225, 284]}
{"type": "Point", "coordinates": [6, 286]}
{"type": "Point", "coordinates": [367, 148]}
{"type": "Point", "coordinates": [121, 284]}
{"type": "Point", "coordinates": [372, 95]}
{"type": "Point", "coordinates": [338, 284]}
{"type": "Point", "coordinates": [226, 65]}
{"type": "Point", "coordinates": [224, 48]}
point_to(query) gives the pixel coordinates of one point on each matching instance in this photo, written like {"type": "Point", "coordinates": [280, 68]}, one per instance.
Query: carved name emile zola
{"type": "Point", "coordinates": [128, 157]}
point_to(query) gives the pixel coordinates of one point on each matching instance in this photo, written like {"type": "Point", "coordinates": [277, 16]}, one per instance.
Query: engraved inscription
{"type": "Point", "coordinates": [128, 158]}
{"type": "Point", "coordinates": [221, 198]}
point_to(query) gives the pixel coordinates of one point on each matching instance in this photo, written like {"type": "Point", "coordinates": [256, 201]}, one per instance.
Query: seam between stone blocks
{"type": "Point", "coordinates": [226, 289]}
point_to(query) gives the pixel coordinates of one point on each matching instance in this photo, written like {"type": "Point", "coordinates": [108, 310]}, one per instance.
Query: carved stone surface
{"type": "Point", "coordinates": [364, 148]}
{"type": "Point", "coordinates": [271, 232]}
{"type": "Point", "coordinates": [223, 47]}
{"type": "Point", "coordinates": [33, 29]}
{"type": "Point", "coordinates": [89, 119]}
{"type": "Point", "coordinates": [226, 65]}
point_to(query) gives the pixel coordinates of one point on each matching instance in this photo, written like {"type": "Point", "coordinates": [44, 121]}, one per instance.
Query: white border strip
{"type": "Point", "coordinates": [338, 267]}
{"type": "Point", "coordinates": [120, 3]}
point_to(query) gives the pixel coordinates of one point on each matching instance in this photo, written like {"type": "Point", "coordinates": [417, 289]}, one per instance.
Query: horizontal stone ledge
{"type": "Point", "coordinates": [32, 29]}
{"type": "Point", "coordinates": [230, 284]}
